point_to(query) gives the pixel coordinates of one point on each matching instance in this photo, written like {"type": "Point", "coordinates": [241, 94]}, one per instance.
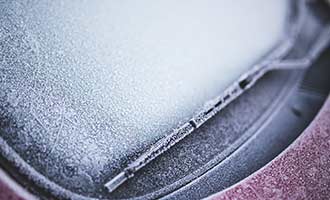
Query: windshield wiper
{"type": "Point", "coordinates": [274, 61]}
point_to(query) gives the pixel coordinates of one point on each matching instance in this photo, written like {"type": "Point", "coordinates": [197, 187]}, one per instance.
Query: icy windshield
{"type": "Point", "coordinates": [95, 82]}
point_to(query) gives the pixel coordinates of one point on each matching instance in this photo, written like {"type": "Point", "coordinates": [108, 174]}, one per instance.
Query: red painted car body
{"type": "Point", "coordinates": [302, 171]}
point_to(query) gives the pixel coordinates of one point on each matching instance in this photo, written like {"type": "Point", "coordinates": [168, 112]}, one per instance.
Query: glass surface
{"type": "Point", "coordinates": [93, 82]}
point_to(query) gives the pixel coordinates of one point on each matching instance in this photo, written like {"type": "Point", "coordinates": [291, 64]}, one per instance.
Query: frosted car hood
{"type": "Point", "coordinates": [90, 85]}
